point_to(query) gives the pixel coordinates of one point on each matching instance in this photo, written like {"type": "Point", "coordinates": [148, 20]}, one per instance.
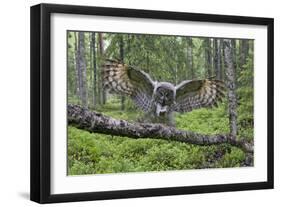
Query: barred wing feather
{"type": "Point", "coordinates": [194, 94]}
{"type": "Point", "coordinates": [127, 80]}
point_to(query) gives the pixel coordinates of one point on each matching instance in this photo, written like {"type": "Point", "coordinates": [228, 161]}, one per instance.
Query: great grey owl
{"type": "Point", "coordinates": [160, 99]}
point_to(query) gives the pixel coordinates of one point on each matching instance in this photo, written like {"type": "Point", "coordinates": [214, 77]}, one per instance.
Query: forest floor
{"type": "Point", "coordinates": [93, 153]}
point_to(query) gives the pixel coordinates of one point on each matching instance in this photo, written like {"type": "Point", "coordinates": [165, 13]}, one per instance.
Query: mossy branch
{"type": "Point", "coordinates": [97, 122]}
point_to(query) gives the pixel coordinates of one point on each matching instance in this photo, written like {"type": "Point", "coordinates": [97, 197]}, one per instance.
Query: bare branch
{"type": "Point", "coordinates": [97, 122]}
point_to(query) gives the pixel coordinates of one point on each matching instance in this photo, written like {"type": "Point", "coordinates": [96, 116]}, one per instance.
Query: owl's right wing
{"type": "Point", "coordinates": [126, 80]}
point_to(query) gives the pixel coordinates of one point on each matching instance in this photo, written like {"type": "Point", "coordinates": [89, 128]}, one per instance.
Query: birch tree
{"type": "Point", "coordinates": [217, 59]}
{"type": "Point", "coordinates": [189, 57]}
{"type": "Point", "coordinates": [82, 70]}
{"type": "Point", "coordinates": [121, 50]}
{"type": "Point", "coordinates": [94, 69]}
{"type": "Point", "coordinates": [208, 64]}
{"type": "Point", "coordinates": [102, 93]}
{"type": "Point", "coordinates": [231, 84]}
{"type": "Point", "coordinates": [244, 52]}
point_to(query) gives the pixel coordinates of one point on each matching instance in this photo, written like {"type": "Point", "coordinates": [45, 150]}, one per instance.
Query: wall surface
{"type": "Point", "coordinates": [14, 110]}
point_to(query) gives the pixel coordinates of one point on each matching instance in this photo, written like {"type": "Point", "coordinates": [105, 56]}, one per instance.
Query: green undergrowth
{"type": "Point", "coordinates": [93, 153]}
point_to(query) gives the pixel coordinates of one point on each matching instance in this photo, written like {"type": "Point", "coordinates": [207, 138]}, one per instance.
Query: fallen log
{"type": "Point", "coordinates": [96, 122]}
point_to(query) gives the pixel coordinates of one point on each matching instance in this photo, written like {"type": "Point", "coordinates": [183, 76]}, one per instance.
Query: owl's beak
{"type": "Point", "coordinates": [160, 110]}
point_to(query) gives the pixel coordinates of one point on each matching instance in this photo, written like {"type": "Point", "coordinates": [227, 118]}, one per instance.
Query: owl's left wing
{"type": "Point", "coordinates": [194, 94]}
{"type": "Point", "coordinates": [127, 80]}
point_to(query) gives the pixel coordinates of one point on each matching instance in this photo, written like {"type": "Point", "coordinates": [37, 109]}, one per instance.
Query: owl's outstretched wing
{"type": "Point", "coordinates": [126, 80]}
{"type": "Point", "coordinates": [194, 94]}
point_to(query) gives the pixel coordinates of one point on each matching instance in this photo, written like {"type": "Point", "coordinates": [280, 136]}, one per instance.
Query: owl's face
{"type": "Point", "coordinates": [164, 97]}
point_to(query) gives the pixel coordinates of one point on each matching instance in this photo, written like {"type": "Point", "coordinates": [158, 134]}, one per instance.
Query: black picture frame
{"type": "Point", "coordinates": [40, 184]}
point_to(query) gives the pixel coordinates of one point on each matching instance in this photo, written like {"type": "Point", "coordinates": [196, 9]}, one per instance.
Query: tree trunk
{"type": "Point", "coordinates": [121, 52]}
{"type": "Point", "coordinates": [147, 61]}
{"type": "Point", "coordinates": [97, 122]}
{"type": "Point", "coordinates": [103, 95]}
{"type": "Point", "coordinates": [231, 84]}
{"type": "Point", "coordinates": [94, 58]}
{"type": "Point", "coordinates": [71, 56]}
{"type": "Point", "coordinates": [208, 64]}
{"type": "Point", "coordinates": [77, 69]}
{"type": "Point", "coordinates": [244, 52]}
{"type": "Point", "coordinates": [82, 70]}
{"type": "Point", "coordinates": [189, 58]}
{"type": "Point", "coordinates": [233, 42]}
{"type": "Point", "coordinates": [91, 91]}
{"type": "Point", "coordinates": [222, 59]}
{"type": "Point", "coordinates": [217, 59]}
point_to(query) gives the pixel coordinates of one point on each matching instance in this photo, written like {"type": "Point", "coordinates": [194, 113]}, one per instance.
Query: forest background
{"type": "Point", "coordinates": [165, 58]}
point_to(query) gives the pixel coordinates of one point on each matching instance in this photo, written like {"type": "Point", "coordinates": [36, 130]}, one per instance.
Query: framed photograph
{"type": "Point", "coordinates": [133, 103]}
